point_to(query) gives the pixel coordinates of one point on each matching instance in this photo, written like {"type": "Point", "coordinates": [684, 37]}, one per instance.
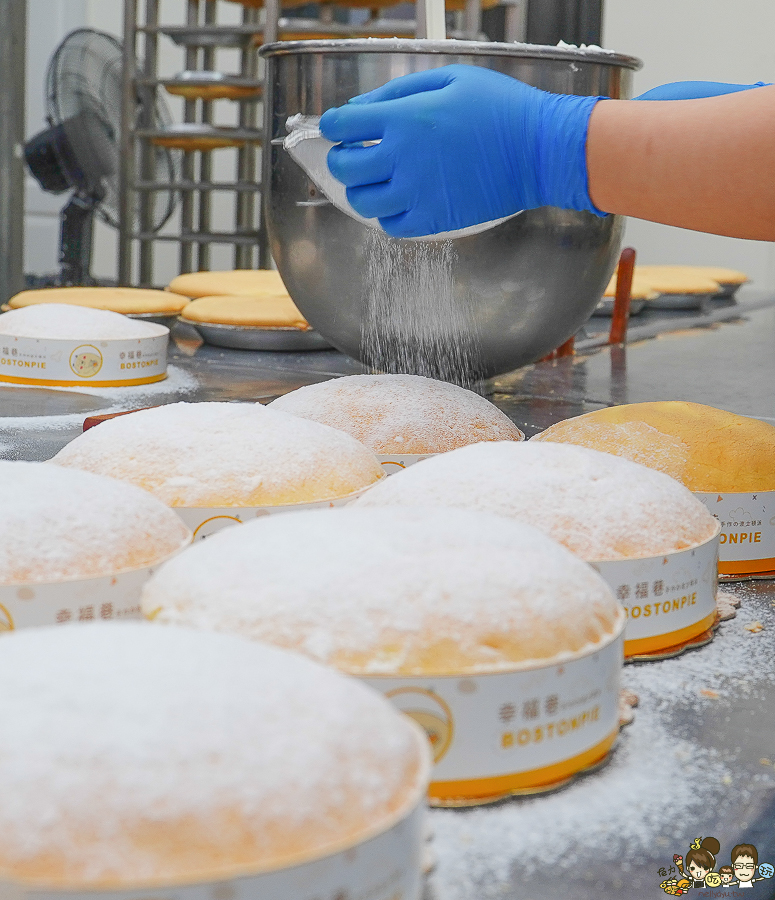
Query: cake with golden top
{"type": "Point", "coordinates": [678, 280]}
{"type": "Point", "coordinates": [142, 757]}
{"type": "Point", "coordinates": [401, 414]}
{"type": "Point", "coordinates": [681, 275]}
{"type": "Point", "coordinates": [269, 311]}
{"type": "Point", "coordinates": [704, 448]}
{"type": "Point", "coordinates": [641, 288]}
{"type": "Point", "coordinates": [129, 301]}
{"type": "Point", "coordinates": [224, 455]}
{"type": "Point", "coordinates": [229, 283]}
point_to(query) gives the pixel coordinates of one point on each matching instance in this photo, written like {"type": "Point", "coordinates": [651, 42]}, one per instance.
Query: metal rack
{"type": "Point", "coordinates": [200, 38]}
{"type": "Point", "coordinates": [13, 14]}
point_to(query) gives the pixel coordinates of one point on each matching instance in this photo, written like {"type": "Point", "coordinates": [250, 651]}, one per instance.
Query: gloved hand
{"type": "Point", "coordinates": [695, 90]}
{"type": "Point", "coordinates": [459, 145]}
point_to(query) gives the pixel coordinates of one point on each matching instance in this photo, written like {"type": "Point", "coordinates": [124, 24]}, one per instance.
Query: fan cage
{"type": "Point", "coordinates": [85, 76]}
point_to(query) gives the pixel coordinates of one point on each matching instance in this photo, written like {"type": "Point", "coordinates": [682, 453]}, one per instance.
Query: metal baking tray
{"type": "Point", "coordinates": [681, 301]}
{"type": "Point", "coordinates": [167, 319]}
{"type": "Point", "coordinates": [606, 307]}
{"type": "Point", "coordinates": [211, 35]}
{"type": "Point", "coordinates": [288, 29]}
{"type": "Point", "coordinates": [254, 337]}
{"type": "Point", "coordinates": [727, 289]}
{"type": "Point", "coordinates": [756, 576]}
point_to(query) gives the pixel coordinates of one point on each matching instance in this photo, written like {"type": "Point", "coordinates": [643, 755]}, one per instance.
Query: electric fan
{"type": "Point", "coordinates": [79, 151]}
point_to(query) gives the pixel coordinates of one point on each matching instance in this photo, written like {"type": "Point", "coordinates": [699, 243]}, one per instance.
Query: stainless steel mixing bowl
{"type": "Point", "coordinates": [526, 285]}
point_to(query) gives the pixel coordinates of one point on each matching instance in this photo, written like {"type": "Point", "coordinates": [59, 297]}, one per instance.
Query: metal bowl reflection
{"type": "Point", "coordinates": [525, 285]}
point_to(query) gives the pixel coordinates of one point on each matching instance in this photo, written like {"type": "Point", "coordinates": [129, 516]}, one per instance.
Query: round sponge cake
{"type": "Point", "coordinates": [63, 525]}
{"type": "Point", "coordinates": [678, 279]}
{"type": "Point", "coordinates": [392, 591]}
{"type": "Point", "coordinates": [640, 289]}
{"type": "Point", "coordinates": [224, 454]}
{"type": "Point", "coordinates": [277, 311]}
{"type": "Point", "coordinates": [599, 506]}
{"type": "Point", "coordinates": [140, 756]}
{"type": "Point", "coordinates": [401, 413]}
{"type": "Point", "coordinates": [130, 301]}
{"type": "Point", "coordinates": [706, 449]}
{"type": "Point", "coordinates": [665, 273]}
{"type": "Point", "coordinates": [238, 282]}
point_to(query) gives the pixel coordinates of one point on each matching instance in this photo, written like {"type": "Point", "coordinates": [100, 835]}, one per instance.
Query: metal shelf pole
{"type": "Point", "coordinates": [205, 158]}
{"type": "Point", "coordinates": [188, 173]}
{"type": "Point", "coordinates": [472, 18]}
{"type": "Point", "coordinates": [199, 38]}
{"type": "Point", "coordinates": [147, 200]}
{"type": "Point", "coordinates": [13, 14]}
{"type": "Point", "coordinates": [126, 174]}
{"type": "Point", "coordinates": [245, 208]}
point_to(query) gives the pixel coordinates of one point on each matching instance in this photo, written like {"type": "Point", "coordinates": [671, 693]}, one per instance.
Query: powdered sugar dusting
{"type": "Point", "coordinates": [733, 659]}
{"type": "Point", "coordinates": [66, 322]}
{"type": "Point", "coordinates": [178, 382]}
{"type": "Point", "coordinates": [660, 780]}
{"type": "Point", "coordinates": [401, 413]}
{"type": "Point", "coordinates": [597, 505]}
{"type": "Point", "coordinates": [609, 817]}
{"type": "Point", "coordinates": [60, 524]}
{"type": "Point", "coordinates": [384, 591]}
{"type": "Point", "coordinates": [253, 753]}
{"type": "Point", "coordinates": [637, 441]}
{"type": "Point", "coordinates": [224, 454]}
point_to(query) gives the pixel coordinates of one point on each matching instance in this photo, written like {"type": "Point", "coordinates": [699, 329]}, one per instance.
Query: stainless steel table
{"type": "Point", "coordinates": [699, 758]}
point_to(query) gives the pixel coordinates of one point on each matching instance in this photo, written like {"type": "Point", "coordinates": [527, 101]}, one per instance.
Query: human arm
{"type": "Point", "coordinates": [462, 145]}
{"type": "Point", "coordinates": [457, 146]}
{"type": "Point", "coordinates": [707, 164]}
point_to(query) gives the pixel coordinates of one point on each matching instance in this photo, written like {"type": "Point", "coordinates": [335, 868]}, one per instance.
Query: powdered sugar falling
{"type": "Point", "coordinates": [413, 321]}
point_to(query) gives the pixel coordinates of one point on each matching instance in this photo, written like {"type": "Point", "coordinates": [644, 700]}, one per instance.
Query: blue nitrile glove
{"type": "Point", "coordinates": [696, 90]}
{"type": "Point", "coordinates": [460, 145]}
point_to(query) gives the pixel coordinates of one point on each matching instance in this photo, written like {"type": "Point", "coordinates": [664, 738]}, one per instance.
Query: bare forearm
{"type": "Point", "coordinates": [708, 165]}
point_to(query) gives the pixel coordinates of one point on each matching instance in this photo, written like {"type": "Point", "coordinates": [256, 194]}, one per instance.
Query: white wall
{"type": "Point", "coordinates": [48, 22]}
{"type": "Point", "coordinates": [713, 40]}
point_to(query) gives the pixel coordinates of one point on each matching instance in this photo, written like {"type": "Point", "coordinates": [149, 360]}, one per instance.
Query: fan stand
{"type": "Point", "coordinates": [76, 238]}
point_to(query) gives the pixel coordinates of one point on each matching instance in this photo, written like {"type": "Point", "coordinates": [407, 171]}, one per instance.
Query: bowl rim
{"type": "Point", "coordinates": [568, 52]}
